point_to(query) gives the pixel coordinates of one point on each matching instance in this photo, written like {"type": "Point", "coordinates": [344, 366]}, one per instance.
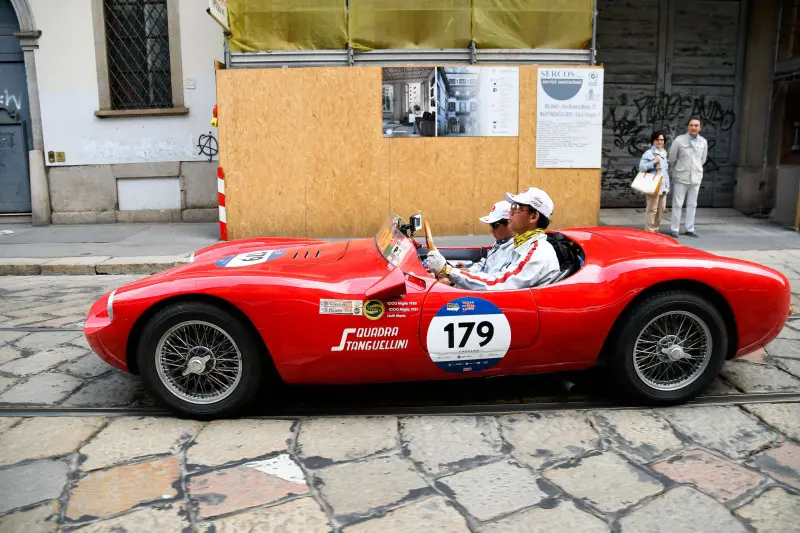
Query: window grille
{"type": "Point", "coordinates": [137, 40]}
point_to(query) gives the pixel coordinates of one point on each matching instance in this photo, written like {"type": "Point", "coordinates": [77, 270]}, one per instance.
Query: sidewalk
{"type": "Point", "coordinates": [149, 248]}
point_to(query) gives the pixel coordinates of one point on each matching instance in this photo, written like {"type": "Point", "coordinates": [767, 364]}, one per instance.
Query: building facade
{"type": "Point", "coordinates": [105, 104]}
{"type": "Point", "coordinates": [114, 99]}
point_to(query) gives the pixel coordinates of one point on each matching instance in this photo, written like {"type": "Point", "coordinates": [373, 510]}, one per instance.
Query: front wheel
{"type": "Point", "coordinates": [199, 360]}
{"type": "Point", "coordinates": [670, 348]}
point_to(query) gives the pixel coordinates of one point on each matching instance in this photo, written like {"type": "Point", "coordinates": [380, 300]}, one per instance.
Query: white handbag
{"type": "Point", "coordinates": [647, 183]}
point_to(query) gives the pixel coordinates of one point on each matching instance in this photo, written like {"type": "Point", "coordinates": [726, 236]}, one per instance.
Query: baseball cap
{"type": "Point", "coordinates": [501, 210]}
{"type": "Point", "coordinates": [536, 198]}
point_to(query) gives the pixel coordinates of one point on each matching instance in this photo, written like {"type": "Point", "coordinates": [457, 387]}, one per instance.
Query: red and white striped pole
{"type": "Point", "coordinates": [223, 225]}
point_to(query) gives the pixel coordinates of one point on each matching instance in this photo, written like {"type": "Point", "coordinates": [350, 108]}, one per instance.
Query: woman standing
{"type": "Point", "coordinates": [654, 159]}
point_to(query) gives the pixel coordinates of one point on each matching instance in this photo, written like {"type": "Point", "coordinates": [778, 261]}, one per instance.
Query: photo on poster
{"type": "Point", "coordinates": [409, 102]}
{"type": "Point", "coordinates": [477, 101]}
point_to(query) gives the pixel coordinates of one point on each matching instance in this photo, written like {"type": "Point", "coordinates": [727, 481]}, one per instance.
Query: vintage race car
{"type": "Point", "coordinates": [208, 335]}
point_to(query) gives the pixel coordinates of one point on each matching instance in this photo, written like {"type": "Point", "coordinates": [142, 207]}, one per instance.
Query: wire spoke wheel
{"type": "Point", "coordinates": [198, 362]}
{"type": "Point", "coordinates": [672, 350]}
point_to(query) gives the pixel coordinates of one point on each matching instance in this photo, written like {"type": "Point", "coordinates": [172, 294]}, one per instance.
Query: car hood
{"type": "Point", "coordinates": [273, 254]}
{"type": "Point", "coordinates": [241, 246]}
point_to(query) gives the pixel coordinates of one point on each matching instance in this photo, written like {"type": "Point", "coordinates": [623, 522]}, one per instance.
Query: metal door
{"type": "Point", "coordinates": [15, 137]}
{"type": "Point", "coordinates": [665, 61]}
{"type": "Point", "coordinates": [15, 193]}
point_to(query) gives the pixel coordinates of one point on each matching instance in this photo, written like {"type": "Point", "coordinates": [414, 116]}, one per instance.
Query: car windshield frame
{"type": "Point", "coordinates": [391, 243]}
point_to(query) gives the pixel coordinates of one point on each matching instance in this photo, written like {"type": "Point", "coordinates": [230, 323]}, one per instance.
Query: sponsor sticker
{"type": "Point", "coordinates": [468, 335]}
{"type": "Point", "coordinates": [250, 258]}
{"type": "Point", "coordinates": [340, 307]}
{"type": "Point", "coordinates": [374, 309]}
{"type": "Point", "coordinates": [370, 339]}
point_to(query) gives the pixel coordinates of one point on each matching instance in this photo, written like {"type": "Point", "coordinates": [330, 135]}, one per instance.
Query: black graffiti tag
{"type": "Point", "coordinates": [628, 134]}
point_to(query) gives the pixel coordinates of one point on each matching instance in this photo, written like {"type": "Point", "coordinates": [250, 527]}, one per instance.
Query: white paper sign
{"type": "Point", "coordinates": [569, 118]}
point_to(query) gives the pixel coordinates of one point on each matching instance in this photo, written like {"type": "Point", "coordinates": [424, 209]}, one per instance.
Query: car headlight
{"type": "Point", "coordinates": [110, 305]}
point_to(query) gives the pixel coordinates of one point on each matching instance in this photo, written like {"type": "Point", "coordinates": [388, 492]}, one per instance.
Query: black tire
{"type": "Point", "coordinates": [250, 350]}
{"type": "Point", "coordinates": [622, 365]}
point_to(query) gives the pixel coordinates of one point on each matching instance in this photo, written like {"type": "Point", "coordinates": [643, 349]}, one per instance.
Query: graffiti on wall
{"type": "Point", "coordinates": [630, 120]}
{"type": "Point", "coordinates": [208, 145]}
{"type": "Point", "coordinates": [10, 103]}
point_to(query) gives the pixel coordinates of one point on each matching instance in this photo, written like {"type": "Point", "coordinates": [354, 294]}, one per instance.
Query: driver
{"type": "Point", "coordinates": [533, 261]}
{"type": "Point", "coordinates": [503, 247]}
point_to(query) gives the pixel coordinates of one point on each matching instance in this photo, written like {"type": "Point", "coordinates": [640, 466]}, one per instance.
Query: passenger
{"type": "Point", "coordinates": [532, 263]}
{"type": "Point", "coordinates": [503, 247]}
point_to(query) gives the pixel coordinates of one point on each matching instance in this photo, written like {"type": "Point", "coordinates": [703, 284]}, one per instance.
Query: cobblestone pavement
{"type": "Point", "coordinates": [719, 468]}
{"type": "Point", "coordinates": [709, 468]}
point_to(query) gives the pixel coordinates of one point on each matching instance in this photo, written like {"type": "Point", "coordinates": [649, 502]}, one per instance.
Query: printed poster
{"type": "Point", "coordinates": [569, 118]}
{"type": "Point", "coordinates": [450, 101]}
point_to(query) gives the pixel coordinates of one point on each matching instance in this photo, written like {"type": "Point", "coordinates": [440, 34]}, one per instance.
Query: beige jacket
{"type": "Point", "coordinates": [687, 160]}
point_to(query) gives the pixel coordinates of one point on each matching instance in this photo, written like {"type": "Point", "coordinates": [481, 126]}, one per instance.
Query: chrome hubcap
{"type": "Point", "coordinates": [672, 350]}
{"type": "Point", "coordinates": [198, 362]}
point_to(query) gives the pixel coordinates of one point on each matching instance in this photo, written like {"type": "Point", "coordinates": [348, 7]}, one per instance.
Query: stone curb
{"type": "Point", "coordinates": [99, 265]}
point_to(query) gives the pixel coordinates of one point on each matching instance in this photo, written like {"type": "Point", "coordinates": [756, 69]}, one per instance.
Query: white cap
{"type": "Point", "coordinates": [501, 210]}
{"type": "Point", "coordinates": [536, 198]}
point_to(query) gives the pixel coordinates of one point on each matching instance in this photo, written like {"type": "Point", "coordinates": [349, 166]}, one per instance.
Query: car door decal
{"type": "Point", "coordinates": [468, 335]}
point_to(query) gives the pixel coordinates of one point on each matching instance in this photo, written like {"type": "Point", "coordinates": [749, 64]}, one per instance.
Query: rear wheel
{"type": "Point", "coordinates": [200, 360]}
{"type": "Point", "coordinates": [670, 348]}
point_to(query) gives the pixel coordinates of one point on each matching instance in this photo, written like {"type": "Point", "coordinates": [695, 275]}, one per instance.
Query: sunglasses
{"type": "Point", "coordinates": [499, 223]}
{"type": "Point", "coordinates": [518, 207]}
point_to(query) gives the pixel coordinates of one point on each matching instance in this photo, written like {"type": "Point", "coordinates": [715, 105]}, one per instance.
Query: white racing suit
{"type": "Point", "coordinates": [500, 255]}
{"type": "Point", "coordinates": [530, 264]}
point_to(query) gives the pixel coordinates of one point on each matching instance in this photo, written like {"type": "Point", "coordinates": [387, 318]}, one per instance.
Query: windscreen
{"type": "Point", "coordinates": [391, 242]}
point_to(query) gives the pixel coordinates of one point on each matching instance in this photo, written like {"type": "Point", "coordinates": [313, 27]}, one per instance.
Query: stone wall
{"type": "Point", "coordinates": [90, 194]}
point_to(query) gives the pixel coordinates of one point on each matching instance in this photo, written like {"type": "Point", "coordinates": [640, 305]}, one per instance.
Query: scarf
{"type": "Point", "coordinates": [522, 238]}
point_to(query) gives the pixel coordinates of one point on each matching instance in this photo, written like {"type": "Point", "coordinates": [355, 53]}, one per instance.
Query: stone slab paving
{"type": "Point", "coordinates": [445, 445]}
{"type": "Point", "coordinates": [728, 430]}
{"type": "Point", "coordinates": [541, 439]}
{"type": "Point", "coordinates": [168, 474]}
{"type": "Point", "coordinates": [682, 510]}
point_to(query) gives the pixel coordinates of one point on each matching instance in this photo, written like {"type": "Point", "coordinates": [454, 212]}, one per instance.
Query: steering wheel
{"type": "Point", "coordinates": [428, 236]}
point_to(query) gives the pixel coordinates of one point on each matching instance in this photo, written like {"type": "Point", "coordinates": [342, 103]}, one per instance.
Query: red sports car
{"type": "Point", "coordinates": [208, 335]}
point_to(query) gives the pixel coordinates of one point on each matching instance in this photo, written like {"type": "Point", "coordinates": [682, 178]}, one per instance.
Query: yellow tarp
{"type": "Point", "coordinates": [380, 24]}
{"type": "Point", "coordinates": [563, 24]}
{"type": "Point", "coordinates": [287, 25]}
{"type": "Point", "coordinates": [407, 24]}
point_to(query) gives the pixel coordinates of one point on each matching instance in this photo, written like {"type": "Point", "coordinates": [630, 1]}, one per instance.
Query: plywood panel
{"type": "Point", "coordinates": [299, 156]}
{"type": "Point", "coordinates": [346, 192]}
{"type": "Point", "coordinates": [304, 155]}
{"type": "Point", "coordinates": [434, 175]}
{"type": "Point", "coordinates": [496, 169]}
{"type": "Point", "coordinates": [575, 192]}
{"type": "Point", "coordinates": [259, 127]}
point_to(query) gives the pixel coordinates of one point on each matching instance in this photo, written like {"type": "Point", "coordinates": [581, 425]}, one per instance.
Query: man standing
{"type": "Point", "coordinates": [687, 155]}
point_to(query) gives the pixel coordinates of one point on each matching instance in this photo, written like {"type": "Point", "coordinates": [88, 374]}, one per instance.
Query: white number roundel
{"type": "Point", "coordinates": [468, 335]}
